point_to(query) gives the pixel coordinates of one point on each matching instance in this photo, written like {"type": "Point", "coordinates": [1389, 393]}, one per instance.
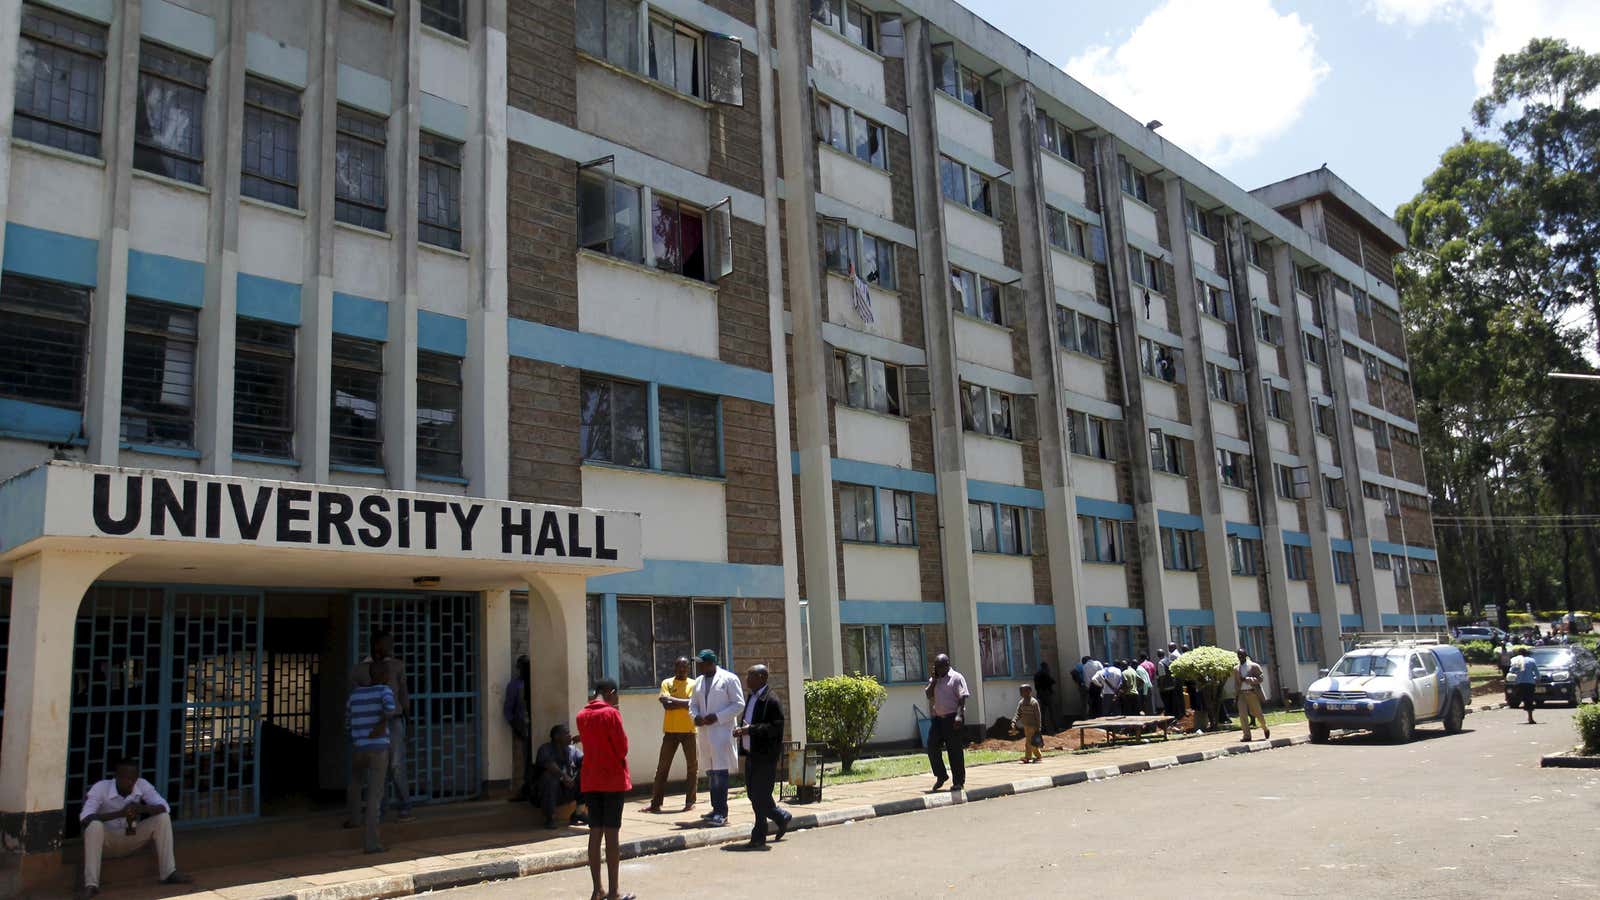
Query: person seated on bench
{"type": "Point", "coordinates": [120, 816]}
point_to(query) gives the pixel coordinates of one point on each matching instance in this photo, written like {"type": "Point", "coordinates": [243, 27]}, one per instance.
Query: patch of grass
{"type": "Point", "coordinates": [878, 768]}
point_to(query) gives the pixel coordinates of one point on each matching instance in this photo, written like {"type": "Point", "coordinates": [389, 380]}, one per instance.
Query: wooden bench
{"type": "Point", "coordinates": [1123, 726]}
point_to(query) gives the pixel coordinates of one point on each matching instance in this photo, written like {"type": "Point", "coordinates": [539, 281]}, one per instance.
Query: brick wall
{"type": "Point", "coordinates": [542, 60]}
{"type": "Point", "coordinates": [542, 230]}
{"type": "Point", "coordinates": [1407, 461]}
{"type": "Point", "coordinates": [742, 312]}
{"type": "Point", "coordinates": [930, 555]}
{"type": "Point", "coordinates": [1428, 592]}
{"type": "Point", "coordinates": [1158, 199]}
{"type": "Point", "coordinates": [900, 183]}
{"type": "Point", "coordinates": [1419, 526]}
{"type": "Point", "coordinates": [752, 486]}
{"type": "Point", "coordinates": [910, 285]}
{"type": "Point", "coordinates": [1387, 335]}
{"type": "Point", "coordinates": [936, 640]}
{"type": "Point", "coordinates": [544, 433]}
{"type": "Point", "coordinates": [759, 637]}
{"type": "Point", "coordinates": [736, 135]}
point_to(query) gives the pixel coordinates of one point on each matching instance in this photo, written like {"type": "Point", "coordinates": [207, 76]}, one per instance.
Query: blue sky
{"type": "Point", "coordinates": [1264, 89]}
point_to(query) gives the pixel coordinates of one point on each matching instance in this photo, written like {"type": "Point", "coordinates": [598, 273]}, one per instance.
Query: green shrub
{"type": "Point", "coordinates": [1209, 668]}
{"type": "Point", "coordinates": [842, 712]}
{"type": "Point", "coordinates": [1587, 722]}
{"type": "Point", "coordinates": [1479, 652]}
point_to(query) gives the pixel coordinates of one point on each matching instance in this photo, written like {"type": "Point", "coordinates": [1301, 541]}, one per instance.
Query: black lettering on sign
{"type": "Point", "coordinates": [430, 530]}
{"type": "Point", "coordinates": [403, 522]}
{"type": "Point", "coordinates": [288, 514]}
{"type": "Point", "coordinates": [549, 535]}
{"type": "Point", "coordinates": [522, 528]}
{"type": "Point", "coordinates": [133, 505]}
{"type": "Point", "coordinates": [333, 514]}
{"type": "Point", "coordinates": [374, 510]}
{"type": "Point", "coordinates": [213, 509]}
{"type": "Point", "coordinates": [601, 551]}
{"type": "Point", "coordinates": [575, 545]}
{"type": "Point", "coordinates": [465, 519]}
{"type": "Point", "coordinates": [164, 505]}
{"type": "Point", "coordinates": [249, 522]}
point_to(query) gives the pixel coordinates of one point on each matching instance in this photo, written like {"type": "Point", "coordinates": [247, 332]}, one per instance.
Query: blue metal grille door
{"type": "Point", "coordinates": [215, 684]}
{"type": "Point", "coordinates": [436, 636]}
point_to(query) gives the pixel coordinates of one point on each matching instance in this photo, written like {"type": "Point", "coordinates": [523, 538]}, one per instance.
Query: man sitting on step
{"type": "Point", "coordinates": [120, 816]}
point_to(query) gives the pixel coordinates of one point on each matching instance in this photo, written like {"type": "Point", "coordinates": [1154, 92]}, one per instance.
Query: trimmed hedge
{"type": "Point", "coordinates": [1587, 721]}
{"type": "Point", "coordinates": [1479, 652]}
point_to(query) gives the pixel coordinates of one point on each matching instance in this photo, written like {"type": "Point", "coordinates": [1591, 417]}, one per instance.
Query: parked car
{"type": "Point", "coordinates": [1567, 674]}
{"type": "Point", "coordinates": [1481, 633]}
{"type": "Point", "coordinates": [1390, 686]}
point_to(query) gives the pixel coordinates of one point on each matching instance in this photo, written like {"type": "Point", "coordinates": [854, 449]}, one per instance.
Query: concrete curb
{"type": "Point", "coordinates": [540, 863]}
{"type": "Point", "coordinates": [1570, 759]}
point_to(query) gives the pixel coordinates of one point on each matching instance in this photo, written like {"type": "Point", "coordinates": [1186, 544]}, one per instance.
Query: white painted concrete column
{"type": "Point", "coordinates": [46, 590]}
{"type": "Point", "coordinates": [494, 641]}
{"type": "Point", "coordinates": [313, 357]}
{"type": "Point", "coordinates": [10, 38]}
{"type": "Point", "coordinates": [486, 439]}
{"type": "Point", "coordinates": [400, 351]}
{"type": "Point", "coordinates": [558, 649]}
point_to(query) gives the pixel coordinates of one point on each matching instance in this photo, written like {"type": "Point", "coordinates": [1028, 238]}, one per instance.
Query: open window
{"type": "Point", "coordinates": [719, 240]}
{"type": "Point", "coordinates": [724, 70]}
{"type": "Point", "coordinates": [596, 184]}
{"type": "Point", "coordinates": [1302, 482]}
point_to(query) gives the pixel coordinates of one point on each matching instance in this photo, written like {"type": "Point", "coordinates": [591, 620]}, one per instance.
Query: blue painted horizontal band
{"type": "Point", "coordinates": [1009, 494]}
{"type": "Point", "coordinates": [22, 507]}
{"type": "Point", "coordinates": [1193, 618]}
{"type": "Point", "coordinates": [1016, 614]}
{"type": "Point", "coordinates": [855, 471]}
{"type": "Point", "coordinates": [51, 423]}
{"type": "Point", "coordinates": [1245, 530]}
{"type": "Point", "coordinates": [51, 254]}
{"type": "Point", "coordinates": [157, 277]}
{"type": "Point", "coordinates": [360, 317]}
{"type": "Point", "coordinates": [1342, 544]}
{"type": "Point", "coordinates": [1296, 538]}
{"type": "Point", "coordinates": [1105, 509]}
{"type": "Point", "coordinates": [266, 460]}
{"type": "Point", "coordinates": [1113, 615]}
{"type": "Point", "coordinates": [1308, 619]}
{"type": "Point", "coordinates": [260, 297]}
{"type": "Point", "coordinates": [438, 333]}
{"type": "Point", "coordinates": [1404, 550]}
{"type": "Point", "coordinates": [1406, 620]}
{"type": "Point", "coordinates": [1250, 618]}
{"type": "Point", "coordinates": [158, 450]}
{"type": "Point", "coordinates": [1181, 521]}
{"type": "Point", "coordinates": [689, 578]}
{"type": "Point", "coordinates": [1350, 621]}
{"type": "Point", "coordinates": [890, 612]}
{"type": "Point", "coordinates": [591, 352]}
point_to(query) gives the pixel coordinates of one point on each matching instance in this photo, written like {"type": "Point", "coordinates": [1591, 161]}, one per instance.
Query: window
{"type": "Point", "coordinates": [439, 191]}
{"type": "Point", "coordinates": [1380, 433]}
{"type": "Point", "coordinates": [690, 442]}
{"type": "Point", "coordinates": [445, 15]}
{"type": "Point", "coordinates": [158, 374]}
{"type": "Point", "coordinates": [1410, 500]}
{"type": "Point", "coordinates": [270, 170]}
{"type": "Point", "coordinates": [1257, 642]}
{"type": "Point", "coordinates": [1089, 436]}
{"type": "Point", "coordinates": [614, 420]}
{"type": "Point", "coordinates": [852, 20]}
{"type": "Point", "coordinates": [863, 650]}
{"type": "Point", "coordinates": [851, 251]}
{"type": "Point", "coordinates": [263, 389]}
{"type": "Point", "coordinates": [997, 527]}
{"type": "Point", "coordinates": [975, 295]}
{"type": "Point", "coordinates": [360, 170]}
{"type": "Point", "coordinates": [674, 53]}
{"type": "Point", "coordinates": [877, 262]}
{"type": "Point", "coordinates": [594, 634]}
{"type": "Point", "coordinates": [1421, 567]}
{"type": "Point", "coordinates": [1224, 384]}
{"type": "Point", "coordinates": [1402, 573]}
{"type": "Point", "coordinates": [1305, 280]}
{"type": "Point", "coordinates": [992, 651]}
{"type": "Point", "coordinates": [609, 30]}
{"type": "Point", "coordinates": [1277, 399]}
{"type": "Point", "coordinates": [1371, 491]}
{"type": "Point", "coordinates": [1322, 415]}
{"type": "Point", "coordinates": [1160, 361]}
{"type": "Point", "coordinates": [1296, 562]}
{"type": "Point", "coordinates": [700, 65]}
{"type": "Point", "coordinates": [1370, 364]}
{"type": "Point", "coordinates": [1333, 492]}
{"type": "Point", "coordinates": [957, 80]}
{"type": "Point", "coordinates": [1214, 301]}
{"type": "Point", "coordinates": [1134, 182]}
{"type": "Point", "coordinates": [905, 518]}
{"type": "Point", "coordinates": [1391, 502]}
{"type": "Point", "coordinates": [677, 237]}
{"type": "Point", "coordinates": [1306, 648]}
{"type": "Point", "coordinates": [169, 131]}
{"type": "Point", "coordinates": [1145, 270]}
{"type": "Point", "coordinates": [1066, 233]}
{"type": "Point", "coordinates": [1166, 453]}
{"type": "Point", "coordinates": [1259, 253]}
{"type": "Point", "coordinates": [1198, 220]}
{"type": "Point", "coordinates": [1269, 328]}
{"type": "Point", "coordinates": [44, 341]}
{"type": "Point", "coordinates": [905, 653]}
{"type": "Point", "coordinates": [867, 383]}
{"type": "Point", "coordinates": [1232, 468]}
{"type": "Point", "coordinates": [985, 410]}
{"type": "Point", "coordinates": [438, 414]}
{"type": "Point", "coordinates": [967, 186]}
{"type": "Point", "coordinates": [1316, 349]}
{"type": "Point", "coordinates": [1081, 333]}
{"type": "Point", "coordinates": [1380, 561]}
{"type": "Point", "coordinates": [1292, 481]}
{"type": "Point", "coordinates": [1244, 555]}
{"type": "Point", "coordinates": [848, 131]}
{"type": "Point", "coordinates": [1104, 540]}
{"type": "Point", "coordinates": [684, 240]}
{"type": "Point", "coordinates": [60, 81]}
{"type": "Point", "coordinates": [856, 513]}
{"type": "Point", "coordinates": [1057, 138]}
{"type": "Point", "coordinates": [1344, 567]}
{"type": "Point", "coordinates": [1178, 550]}
{"type": "Point", "coordinates": [1363, 303]}
{"type": "Point", "coordinates": [356, 424]}
{"type": "Point", "coordinates": [653, 633]}
{"type": "Point", "coordinates": [838, 245]}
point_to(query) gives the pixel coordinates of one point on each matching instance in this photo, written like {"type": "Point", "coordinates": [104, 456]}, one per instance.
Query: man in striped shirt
{"type": "Point", "coordinates": [367, 716]}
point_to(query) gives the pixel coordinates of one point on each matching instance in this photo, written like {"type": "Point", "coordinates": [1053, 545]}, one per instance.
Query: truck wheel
{"type": "Point", "coordinates": [1453, 717]}
{"type": "Point", "coordinates": [1319, 732]}
{"type": "Point", "coordinates": [1405, 721]}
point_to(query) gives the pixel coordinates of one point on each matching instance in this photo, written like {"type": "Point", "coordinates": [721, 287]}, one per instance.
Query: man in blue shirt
{"type": "Point", "coordinates": [1524, 673]}
{"type": "Point", "coordinates": [367, 715]}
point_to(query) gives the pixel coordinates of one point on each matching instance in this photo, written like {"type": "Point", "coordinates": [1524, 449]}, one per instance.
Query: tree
{"type": "Point", "coordinates": [842, 713]}
{"type": "Point", "coordinates": [1208, 669]}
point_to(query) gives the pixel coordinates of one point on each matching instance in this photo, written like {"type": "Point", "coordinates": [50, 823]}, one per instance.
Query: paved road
{"type": "Point", "coordinates": [1470, 815]}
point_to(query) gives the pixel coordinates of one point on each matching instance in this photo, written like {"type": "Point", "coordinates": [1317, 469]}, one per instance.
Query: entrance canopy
{"type": "Point", "coordinates": [207, 529]}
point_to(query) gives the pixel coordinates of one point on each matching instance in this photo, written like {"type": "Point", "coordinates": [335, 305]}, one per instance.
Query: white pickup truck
{"type": "Point", "coordinates": [1390, 686]}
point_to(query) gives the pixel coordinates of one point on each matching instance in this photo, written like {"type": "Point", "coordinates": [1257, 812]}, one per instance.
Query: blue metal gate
{"type": "Point", "coordinates": [436, 635]}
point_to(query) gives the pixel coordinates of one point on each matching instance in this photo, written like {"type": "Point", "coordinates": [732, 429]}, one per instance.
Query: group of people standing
{"type": "Point", "coordinates": [1130, 687]}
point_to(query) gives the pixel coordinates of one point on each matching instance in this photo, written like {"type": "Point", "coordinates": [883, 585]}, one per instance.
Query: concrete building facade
{"type": "Point", "coordinates": [886, 337]}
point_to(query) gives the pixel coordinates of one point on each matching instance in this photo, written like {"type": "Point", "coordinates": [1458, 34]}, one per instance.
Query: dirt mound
{"type": "Point", "coordinates": [1066, 740]}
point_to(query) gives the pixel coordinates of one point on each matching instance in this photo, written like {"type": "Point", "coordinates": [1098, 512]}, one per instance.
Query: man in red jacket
{"type": "Point", "coordinates": [604, 779]}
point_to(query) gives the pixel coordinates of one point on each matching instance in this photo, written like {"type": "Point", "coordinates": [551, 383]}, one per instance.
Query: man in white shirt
{"type": "Point", "coordinates": [120, 816]}
{"type": "Point", "coordinates": [715, 705]}
{"type": "Point", "coordinates": [1109, 681]}
{"type": "Point", "coordinates": [1091, 668]}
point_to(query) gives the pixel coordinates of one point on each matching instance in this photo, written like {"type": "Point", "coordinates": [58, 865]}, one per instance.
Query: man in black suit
{"type": "Point", "coordinates": [760, 736]}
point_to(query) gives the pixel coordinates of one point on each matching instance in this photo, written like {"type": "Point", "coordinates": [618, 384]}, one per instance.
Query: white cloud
{"type": "Point", "coordinates": [1413, 13]}
{"type": "Point", "coordinates": [1506, 25]}
{"type": "Point", "coordinates": [1197, 66]}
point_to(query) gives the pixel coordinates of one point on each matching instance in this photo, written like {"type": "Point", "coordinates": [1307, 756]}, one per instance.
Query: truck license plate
{"type": "Point", "coordinates": [1344, 707]}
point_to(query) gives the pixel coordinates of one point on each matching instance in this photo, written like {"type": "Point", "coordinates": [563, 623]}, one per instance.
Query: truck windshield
{"type": "Point", "coordinates": [1364, 666]}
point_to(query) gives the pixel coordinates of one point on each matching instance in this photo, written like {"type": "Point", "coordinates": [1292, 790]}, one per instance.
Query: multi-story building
{"type": "Point", "coordinates": [885, 337]}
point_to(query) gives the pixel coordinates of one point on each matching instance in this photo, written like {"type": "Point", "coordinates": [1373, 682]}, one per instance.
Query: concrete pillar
{"type": "Point", "coordinates": [1136, 426]}
{"type": "Point", "coordinates": [559, 658]}
{"type": "Point", "coordinates": [949, 448]}
{"type": "Point", "coordinates": [783, 470]}
{"type": "Point", "coordinates": [1365, 589]}
{"type": "Point", "coordinates": [10, 38]}
{"type": "Point", "coordinates": [494, 641]}
{"type": "Point", "coordinates": [1062, 535]}
{"type": "Point", "coordinates": [313, 356]}
{"type": "Point", "coordinates": [400, 351]}
{"type": "Point", "coordinates": [46, 591]}
{"type": "Point", "coordinates": [1216, 570]}
{"type": "Point", "coordinates": [793, 24]}
{"type": "Point", "coordinates": [1265, 493]}
{"type": "Point", "coordinates": [224, 148]}
{"type": "Point", "coordinates": [107, 315]}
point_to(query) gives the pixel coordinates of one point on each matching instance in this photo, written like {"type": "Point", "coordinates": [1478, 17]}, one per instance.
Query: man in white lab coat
{"type": "Point", "coordinates": [716, 704]}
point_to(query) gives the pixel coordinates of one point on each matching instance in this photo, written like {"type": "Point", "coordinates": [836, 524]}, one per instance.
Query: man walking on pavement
{"type": "Point", "coordinates": [1524, 673]}
{"type": "Point", "coordinates": [390, 670]}
{"type": "Point", "coordinates": [760, 734]}
{"type": "Point", "coordinates": [947, 694]}
{"type": "Point", "coordinates": [714, 705]}
{"type": "Point", "coordinates": [369, 716]}
{"type": "Point", "coordinates": [677, 730]}
{"type": "Point", "coordinates": [1247, 692]}
{"type": "Point", "coordinates": [604, 781]}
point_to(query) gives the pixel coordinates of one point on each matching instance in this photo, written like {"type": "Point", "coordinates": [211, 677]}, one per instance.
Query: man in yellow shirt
{"type": "Point", "coordinates": [677, 729]}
